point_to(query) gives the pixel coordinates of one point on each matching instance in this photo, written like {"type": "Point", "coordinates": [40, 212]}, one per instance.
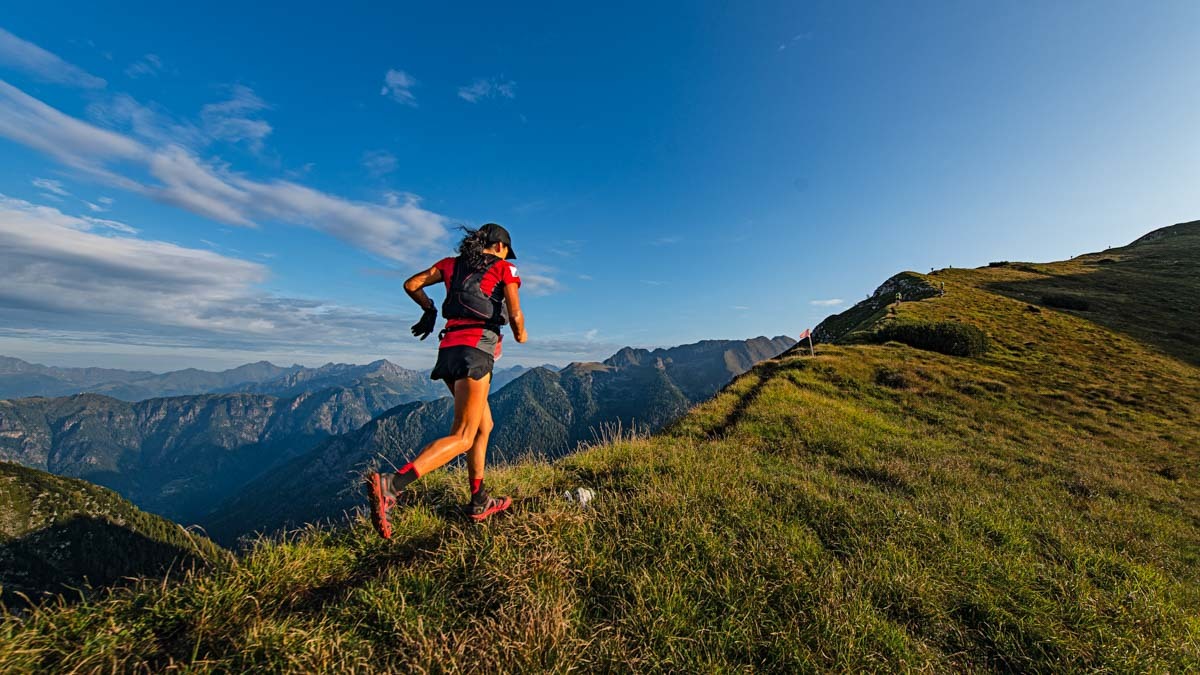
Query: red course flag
{"type": "Point", "coordinates": [804, 334]}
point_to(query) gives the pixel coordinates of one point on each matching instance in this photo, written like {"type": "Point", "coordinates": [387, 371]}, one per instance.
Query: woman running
{"type": "Point", "coordinates": [481, 296]}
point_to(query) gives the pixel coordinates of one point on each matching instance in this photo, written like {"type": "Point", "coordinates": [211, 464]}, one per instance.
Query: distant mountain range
{"type": "Point", "coordinates": [178, 456]}
{"type": "Point", "coordinates": [20, 379]}
{"type": "Point", "coordinates": [184, 456]}
{"type": "Point", "coordinates": [543, 412]}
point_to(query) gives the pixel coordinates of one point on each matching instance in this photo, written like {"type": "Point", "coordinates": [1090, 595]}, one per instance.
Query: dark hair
{"type": "Point", "coordinates": [471, 248]}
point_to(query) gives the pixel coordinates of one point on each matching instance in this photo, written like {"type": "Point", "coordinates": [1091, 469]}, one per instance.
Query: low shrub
{"type": "Point", "coordinates": [1065, 301]}
{"type": "Point", "coordinates": [980, 387]}
{"type": "Point", "coordinates": [944, 337]}
{"type": "Point", "coordinates": [892, 378]}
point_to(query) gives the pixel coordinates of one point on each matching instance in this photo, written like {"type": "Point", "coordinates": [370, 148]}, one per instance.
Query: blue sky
{"type": "Point", "coordinates": [205, 187]}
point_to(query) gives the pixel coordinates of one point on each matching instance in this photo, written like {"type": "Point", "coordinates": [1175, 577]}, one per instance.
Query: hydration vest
{"type": "Point", "coordinates": [465, 298]}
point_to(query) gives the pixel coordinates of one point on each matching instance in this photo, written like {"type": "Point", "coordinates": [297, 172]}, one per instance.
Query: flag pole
{"type": "Point", "coordinates": [808, 334]}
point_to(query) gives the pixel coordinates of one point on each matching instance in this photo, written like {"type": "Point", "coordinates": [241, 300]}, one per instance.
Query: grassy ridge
{"type": "Point", "coordinates": [876, 507]}
{"type": "Point", "coordinates": [61, 535]}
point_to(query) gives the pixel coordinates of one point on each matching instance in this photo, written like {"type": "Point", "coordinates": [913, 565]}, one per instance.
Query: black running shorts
{"type": "Point", "coordinates": [455, 363]}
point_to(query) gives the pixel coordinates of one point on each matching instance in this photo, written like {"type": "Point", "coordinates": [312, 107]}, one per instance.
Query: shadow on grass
{"type": "Point", "coordinates": [74, 558]}
{"type": "Point", "coordinates": [1151, 296]}
{"type": "Point", "coordinates": [365, 569]}
{"type": "Point", "coordinates": [765, 372]}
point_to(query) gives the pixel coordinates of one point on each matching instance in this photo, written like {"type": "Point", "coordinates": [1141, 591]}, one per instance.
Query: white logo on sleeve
{"type": "Point", "coordinates": [512, 269]}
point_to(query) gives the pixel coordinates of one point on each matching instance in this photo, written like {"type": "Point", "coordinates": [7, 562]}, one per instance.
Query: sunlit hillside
{"type": "Point", "coordinates": [1034, 506]}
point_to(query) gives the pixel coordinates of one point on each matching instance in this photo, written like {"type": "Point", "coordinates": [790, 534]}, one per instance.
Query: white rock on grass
{"type": "Point", "coordinates": [581, 496]}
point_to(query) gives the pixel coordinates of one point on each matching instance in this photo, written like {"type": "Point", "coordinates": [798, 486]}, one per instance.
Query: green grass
{"type": "Point", "coordinates": [877, 507]}
{"type": "Point", "coordinates": [64, 536]}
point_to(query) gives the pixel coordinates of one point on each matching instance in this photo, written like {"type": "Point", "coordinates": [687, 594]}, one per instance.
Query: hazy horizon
{"type": "Point", "coordinates": [78, 359]}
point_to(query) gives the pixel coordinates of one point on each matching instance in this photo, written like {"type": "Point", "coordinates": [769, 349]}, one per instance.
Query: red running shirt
{"type": "Point", "coordinates": [501, 272]}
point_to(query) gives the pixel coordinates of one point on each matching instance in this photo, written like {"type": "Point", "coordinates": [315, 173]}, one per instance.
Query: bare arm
{"type": "Point", "coordinates": [417, 282]}
{"type": "Point", "coordinates": [515, 318]}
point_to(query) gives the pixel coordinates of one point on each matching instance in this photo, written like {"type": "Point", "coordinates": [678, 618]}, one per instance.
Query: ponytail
{"type": "Point", "coordinates": [470, 249]}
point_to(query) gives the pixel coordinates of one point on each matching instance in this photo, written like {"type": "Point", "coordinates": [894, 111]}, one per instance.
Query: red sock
{"type": "Point", "coordinates": [406, 474]}
{"type": "Point", "coordinates": [476, 483]}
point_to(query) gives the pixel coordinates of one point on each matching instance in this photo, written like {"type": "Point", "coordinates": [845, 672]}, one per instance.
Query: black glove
{"type": "Point", "coordinates": [425, 326]}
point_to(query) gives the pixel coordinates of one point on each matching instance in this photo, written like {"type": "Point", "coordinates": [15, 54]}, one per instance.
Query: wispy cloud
{"type": "Point", "coordinates": [567, 248]}
{"type": "Point", "coordinates": [73, 283]}
{"type": "Point", "coordinates": [63, 273]}
{"type": "Point", "coordinates": [669, 240]}
{"type": "Point", "coordinates": [539, 279]}
{"type": "Point", "coordinates": [532, 206]}
{"type": "Point", "coordinates": [379, 163]}
{"type": "Point", "coordinates": [831, 302]}
{"type": "Point", "coordinates": [399, 229]}
{"type": "Point", "coordinates": [488, 88]}
{"type": "Point", "coordinates": [149, 65]}
{"type": "Point", "coordinates": [794, 39]}
{"type": "Point", "coordinates": [398, 85]}
{"type": "Point", "coordinates": [150, 123]}
{"type": "Point", "coordinates": [740, 308]}
{"type": "Point", "coordinates": [234, 120]}
{"type": "Point", "coordinates": [33, 60]}
{"type": "Point", "coordinates": [49, 185]}
{"type": "Point", "coordinates": [109, 224]}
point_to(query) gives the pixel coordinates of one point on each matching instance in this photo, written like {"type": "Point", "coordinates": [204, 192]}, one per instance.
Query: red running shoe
{"type": "Point", "coordinates": [481, 511]}
{"type": "Point", "coordinates": [380, 499]}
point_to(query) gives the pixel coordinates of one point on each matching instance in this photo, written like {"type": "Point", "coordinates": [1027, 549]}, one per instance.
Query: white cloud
{"type": "Point", "coordinates": [64, 273]}
{"type": "Point", "coordinates": [75, 283]}
{"type": "Point", "coordinates": [832, 302]}
{"type": "Point", "coordinates": [591, 334]}
{"type": "Point", "coordinates": [379, 162]}
{"type": "Point", "coordinates": [398, 85]}
{"type": "Point", "coordinates": [150, 123]}
{"type": "Point", "coordinates": [487, 88]}
{"type": "Point", "coordinates": [149, 65]}
{"type": "Point", "coordinates": [539, 279]}
{"type": "Point", "coordinates": [232, 120]}
{"type": "Point", "coordinates": [107, 201]}
{"type": "Point", "coordinates": [399, 229]}
{"type": "Point", "coordinates": [95, 208]}
{"type": "Point", "coordinates": [51, 186]}
{"type": "Point", "coordinates": [32, 59]}
{"type": "Point", "coordinates": [110, 224]}
{"type": "Point", "coordinates": [73, 142]}
{"type": "Point", "coordinates": [58, 264]}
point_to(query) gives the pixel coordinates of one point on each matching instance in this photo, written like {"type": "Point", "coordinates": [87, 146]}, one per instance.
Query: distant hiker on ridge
{"type": "Point", "coordinates": [481, 297]}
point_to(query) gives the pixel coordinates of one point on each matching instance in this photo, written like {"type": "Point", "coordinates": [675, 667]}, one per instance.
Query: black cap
{"type": "Point", "coordinates": [493, 233]}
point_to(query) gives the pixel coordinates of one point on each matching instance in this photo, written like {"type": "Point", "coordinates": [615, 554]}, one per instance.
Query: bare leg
{"type": "Point", "coordinates": [477, 455]}
{"type": "Point", "coordinates": [470, 402]}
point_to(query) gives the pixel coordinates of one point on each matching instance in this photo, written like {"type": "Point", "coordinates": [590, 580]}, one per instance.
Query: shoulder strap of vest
{"type": "Point", "coordinates": [461, 267]}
